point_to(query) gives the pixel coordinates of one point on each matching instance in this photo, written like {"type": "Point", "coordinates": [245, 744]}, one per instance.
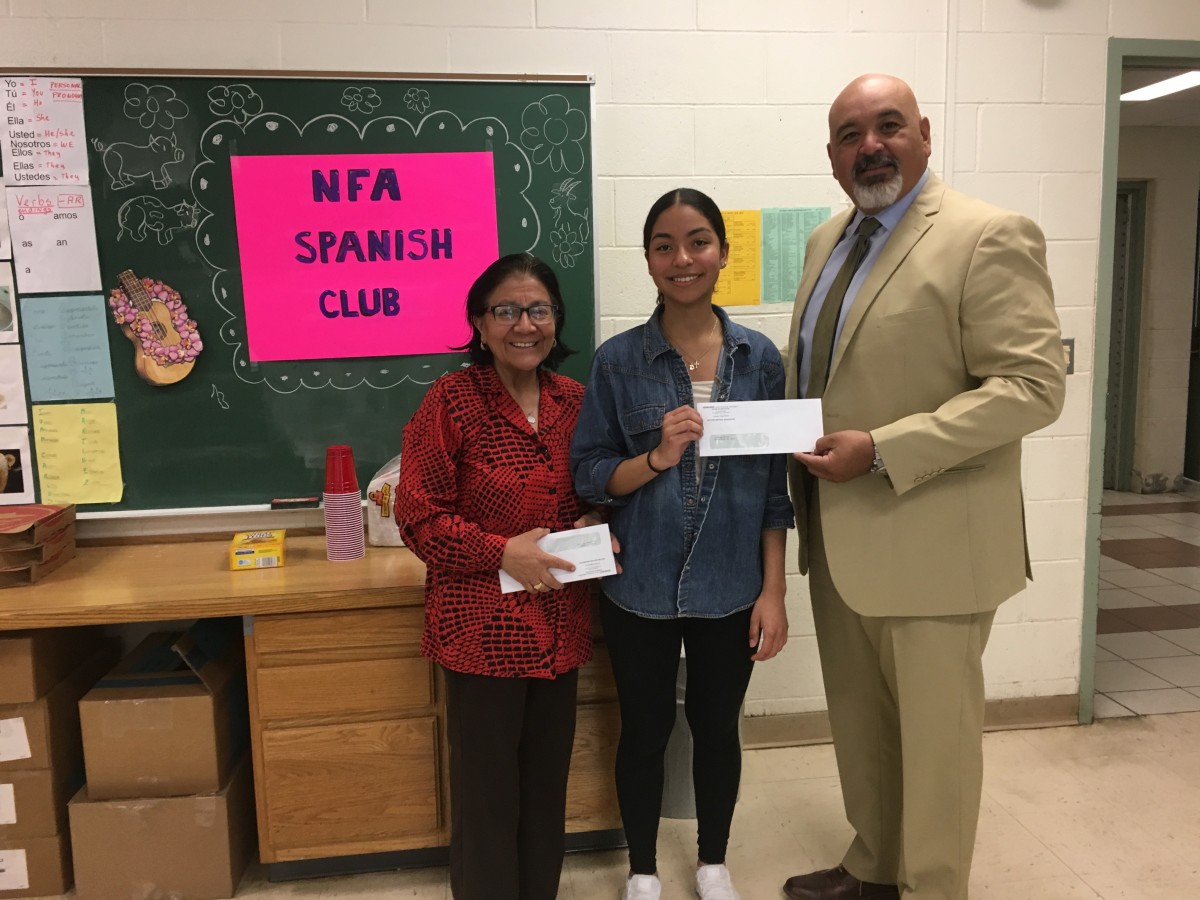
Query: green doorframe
{"type": "Point", "coordinates": [1121, 51]}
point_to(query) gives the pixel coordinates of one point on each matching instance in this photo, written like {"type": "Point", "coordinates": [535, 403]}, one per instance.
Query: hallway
{"type": "Point", "coordinates": [1148, 624]}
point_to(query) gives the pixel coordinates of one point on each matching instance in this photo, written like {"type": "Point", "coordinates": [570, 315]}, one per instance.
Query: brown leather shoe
{"type": "Point", "coordinates": [836, 884]}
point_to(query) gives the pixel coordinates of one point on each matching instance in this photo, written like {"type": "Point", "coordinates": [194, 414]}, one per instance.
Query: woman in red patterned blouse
{"type": "Point", "coordinates": [484, 474]}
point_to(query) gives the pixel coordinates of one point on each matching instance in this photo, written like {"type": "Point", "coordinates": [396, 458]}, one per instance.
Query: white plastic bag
{"type": "Point", "coordinates": [381, 506]}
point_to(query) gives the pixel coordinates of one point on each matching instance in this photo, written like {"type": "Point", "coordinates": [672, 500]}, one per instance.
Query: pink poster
{"type": "Point", "coordinates": [364, 254]}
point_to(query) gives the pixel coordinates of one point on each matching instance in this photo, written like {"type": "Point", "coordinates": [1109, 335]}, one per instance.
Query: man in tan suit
{"type": "Point", "coordinates": [938, 351]}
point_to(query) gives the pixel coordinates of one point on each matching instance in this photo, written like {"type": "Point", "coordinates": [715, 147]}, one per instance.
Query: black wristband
{"type": "Point", "coordinates": [653, 468]}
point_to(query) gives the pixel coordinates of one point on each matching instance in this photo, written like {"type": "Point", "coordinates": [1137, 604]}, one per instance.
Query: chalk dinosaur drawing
{"type": "Point", "coordinates": [139, 216]}
{"type": "Point", "coordinates": [126, 162]}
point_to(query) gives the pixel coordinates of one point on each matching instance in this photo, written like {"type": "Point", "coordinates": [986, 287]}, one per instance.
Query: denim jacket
{"type": "Point", "coordinates": [688, 549]}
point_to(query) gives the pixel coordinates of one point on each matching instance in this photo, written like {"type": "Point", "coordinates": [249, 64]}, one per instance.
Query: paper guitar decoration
{"type": "Point", "coordinates": [154, 317]}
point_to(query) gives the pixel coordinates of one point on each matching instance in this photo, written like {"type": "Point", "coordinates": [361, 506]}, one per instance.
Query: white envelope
{"type": "Point", "coordinates": [590, 549]}
{"type": "Point", "coordinates": [748, 427]}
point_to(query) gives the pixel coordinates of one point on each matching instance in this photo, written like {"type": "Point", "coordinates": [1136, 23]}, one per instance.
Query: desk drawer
{"type": "Point", "coordinates": [340, 789]}
{"type": "Point", "coordinates": [341, 630]}
{"type": "Point", "coordinates": [591, 800]}
{"type": "Point", "coordinates": [596, 683]}
{"type": "Point", "coordinates": [345, 691]}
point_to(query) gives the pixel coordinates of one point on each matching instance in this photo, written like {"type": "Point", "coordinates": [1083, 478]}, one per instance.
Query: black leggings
{"type": "Point", "coordinates": [645, 660]}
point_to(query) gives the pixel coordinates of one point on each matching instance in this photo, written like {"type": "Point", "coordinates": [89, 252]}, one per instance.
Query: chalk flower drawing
{"type": "Point", "coordinates": [568, 244]}
{"type": "Point", "coordinates": [238, 102]}
{"type": "Point", "coordinates": [155, 106]}
{"type": "Point", "coordinates": [361, 99]}
{"type": "Point", "coordinates": [554, 133]}
{"type": "Point", "coordinates": [417, 99]}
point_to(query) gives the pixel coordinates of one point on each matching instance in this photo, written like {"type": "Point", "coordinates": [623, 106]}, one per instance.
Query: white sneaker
{"type": "Point", "coordinates": [714, 883]}
{"type": "Point", "coordinates": [642, 887]}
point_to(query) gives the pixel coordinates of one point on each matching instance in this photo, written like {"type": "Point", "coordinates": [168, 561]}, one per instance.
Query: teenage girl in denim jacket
{"type": "Point", "coordinates": [703, 538]}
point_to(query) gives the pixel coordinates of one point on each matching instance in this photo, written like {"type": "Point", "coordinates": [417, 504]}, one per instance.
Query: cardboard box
{"type": "Point", "coordinates": [44, 734]}
{"type": "Point", "coordinates": [187, 847]}
{"type": "Point", "coordinates": [33, 803]}
{"type": "Point", "coordinates": [37, 571]}
{"type": "Point", "coordinates": [257, 549]}
{"type": "Point", "coordinates": [23, 557]}
{"type": "Point", "coordinates": [32, 524]}
{"type": "Point", "coordinates": [35, 867]}
{"type": "Point", "coordinates": [32, 662]}
{"type": "Point", "coordinates": [171, 719]}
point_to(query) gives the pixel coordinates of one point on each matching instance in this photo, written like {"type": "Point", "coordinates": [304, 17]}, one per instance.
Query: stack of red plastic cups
{"type": "Point", "coordinates": [344, 537]}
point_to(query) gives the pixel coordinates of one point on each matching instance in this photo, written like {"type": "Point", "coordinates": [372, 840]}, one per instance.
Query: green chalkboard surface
{"type": "Point", "coordinates": [235, 432]}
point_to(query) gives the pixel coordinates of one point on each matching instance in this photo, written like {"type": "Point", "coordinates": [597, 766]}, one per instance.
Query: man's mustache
{"type": "Point", "coordinates": [874, 161]}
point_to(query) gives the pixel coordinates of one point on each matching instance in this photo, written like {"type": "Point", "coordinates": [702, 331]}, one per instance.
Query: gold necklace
{"type": "Point", "coordinates": [696, 360]}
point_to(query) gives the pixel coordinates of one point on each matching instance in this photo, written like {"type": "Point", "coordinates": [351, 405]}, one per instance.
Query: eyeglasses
{"type": "Point", "coordinates": [510, 314]}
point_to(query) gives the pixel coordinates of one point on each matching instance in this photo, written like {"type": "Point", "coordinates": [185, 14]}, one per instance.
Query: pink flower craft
{"type": "Point", "coordinates": [141, 323]}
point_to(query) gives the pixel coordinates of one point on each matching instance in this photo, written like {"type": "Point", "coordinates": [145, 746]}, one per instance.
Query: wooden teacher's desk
{"type": "Point", "coordinates": [347, 719]}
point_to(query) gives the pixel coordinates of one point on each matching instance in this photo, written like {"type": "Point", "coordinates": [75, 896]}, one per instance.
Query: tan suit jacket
{"type": "Point", "coordinates": [950, 354]}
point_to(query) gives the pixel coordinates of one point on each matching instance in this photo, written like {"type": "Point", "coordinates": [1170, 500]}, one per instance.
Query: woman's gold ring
{"type": "Point", "coordinates": [540, 586]}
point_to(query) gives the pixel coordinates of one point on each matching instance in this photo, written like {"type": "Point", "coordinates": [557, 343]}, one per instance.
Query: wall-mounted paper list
{"type": "Point", "coordinates": [78, 459]}
{"type": "Point", "coordinates": [785, 232]}
{"type": "Point", "coordinates": [739, 282]}
{"type": "Point", "coordinates": [41, 130]}
{"type": "Point", "coordinates": [54, 239]}
{"type": "Point", "coordinates": [66, 348]}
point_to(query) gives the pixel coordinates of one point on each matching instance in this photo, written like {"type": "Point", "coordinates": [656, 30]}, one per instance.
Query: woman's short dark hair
{"type": "Point", "coordinates": [485, 285]}
{"type": "Point", "coordinates": [698, 200]}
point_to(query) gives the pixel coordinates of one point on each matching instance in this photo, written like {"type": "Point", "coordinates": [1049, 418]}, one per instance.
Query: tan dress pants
{"type": "Point", "coordinates": [906, 707]}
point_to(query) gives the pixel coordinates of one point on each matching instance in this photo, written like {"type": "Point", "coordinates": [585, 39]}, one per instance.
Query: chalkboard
{"type": "Point", "coordinates": [239, 432]}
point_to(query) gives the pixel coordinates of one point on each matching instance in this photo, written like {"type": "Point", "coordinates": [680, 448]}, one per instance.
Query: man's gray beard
{"type": "Point", "coordinates": [878, 196]}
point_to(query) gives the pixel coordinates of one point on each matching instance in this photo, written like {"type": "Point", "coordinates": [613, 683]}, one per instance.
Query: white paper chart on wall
{"type": "Point", "coordinates": [47, 199]}
{"type": "Point", "coordinates": [47, 229]}
{"type": "Point", "coordinates": [43, 130]}
{"type": "Point", "coordinates": [54, 239]}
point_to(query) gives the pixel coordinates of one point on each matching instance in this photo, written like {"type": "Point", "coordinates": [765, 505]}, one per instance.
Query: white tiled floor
{"type": "Point", "coordinates": [1143, 672]}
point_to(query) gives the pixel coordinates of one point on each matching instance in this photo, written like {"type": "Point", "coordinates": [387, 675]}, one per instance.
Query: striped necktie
{"type": "Point", "coordinates": [825, 330]}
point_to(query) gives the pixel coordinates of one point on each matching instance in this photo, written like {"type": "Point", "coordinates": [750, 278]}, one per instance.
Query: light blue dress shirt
{"type": "Point", "coordinates": [889, 218]}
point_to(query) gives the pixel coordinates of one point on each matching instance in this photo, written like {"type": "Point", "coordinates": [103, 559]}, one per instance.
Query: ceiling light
{"type": "Point", "coordinates": [1162, 88]}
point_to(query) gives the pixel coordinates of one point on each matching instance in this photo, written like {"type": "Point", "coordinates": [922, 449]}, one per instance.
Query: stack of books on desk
{"type": "Point", "coordinates": [35, 540]}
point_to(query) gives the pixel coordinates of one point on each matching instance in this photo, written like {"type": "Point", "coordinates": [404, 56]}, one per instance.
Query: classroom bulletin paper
{"type": "Point", "coordinates": [785, 232]}
{"type": "Point", "coordinates": [739, 283]}
{"type": "Point", "coordinates": [78, 458]}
